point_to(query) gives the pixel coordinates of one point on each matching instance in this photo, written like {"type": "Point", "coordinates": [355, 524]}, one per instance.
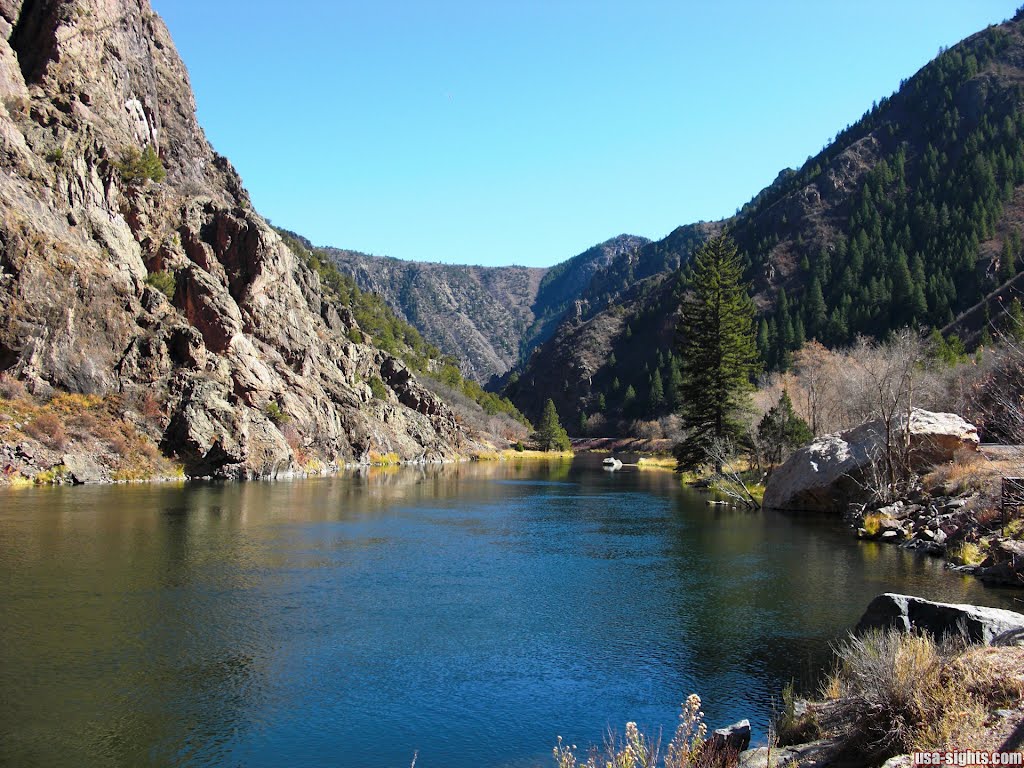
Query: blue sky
{"type": "Point", "coordinates": [524, 132]}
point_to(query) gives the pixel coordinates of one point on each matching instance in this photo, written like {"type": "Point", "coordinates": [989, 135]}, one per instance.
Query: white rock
{"type": "Point", "coordinates": [826, 475]}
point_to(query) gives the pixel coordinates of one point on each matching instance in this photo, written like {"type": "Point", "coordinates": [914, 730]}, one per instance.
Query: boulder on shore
{"type": "Point", "coordinates": [829, 473]}
{"type": "Point", "coordinates": [906, 612]}
{"type": "Point", "coordinates": [735, 738]}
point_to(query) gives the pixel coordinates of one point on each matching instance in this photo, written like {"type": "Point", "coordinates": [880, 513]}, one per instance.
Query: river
{"type": "Point", "coordinates": [469, 613]}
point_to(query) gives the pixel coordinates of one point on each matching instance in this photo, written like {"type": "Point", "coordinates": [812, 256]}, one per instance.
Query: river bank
{"type": "Point", "coordinates": [88, 439]}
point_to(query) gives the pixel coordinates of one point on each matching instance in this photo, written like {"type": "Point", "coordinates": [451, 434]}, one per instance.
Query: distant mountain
{"type": "Point", "coordinates": [489, 318]}
{"type": "Point", "coordinates": [912, 216]}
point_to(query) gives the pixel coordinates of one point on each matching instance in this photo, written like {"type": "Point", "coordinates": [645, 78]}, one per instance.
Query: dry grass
{"type": "Point", "coordinates": [895, 692]}
{"type": "Point", "coordinates": [384, 459]}
{"type": "Point", "coordinates": [88, 424]}
{"type": "Point", "coordinates": [656, 462]}
{"type": "Point", "coordinates": [967, 553]}
{"type": "Point", "coordinates": [788, 727]}
{"type": "Point", "coordinates": [970, 472]}
{"type": "Point", "coordinates": [510, 454]}
{"type": "Point", "coordinates": [48, 429]}
{"type": "Point", "coordinates": [687, 749]}
{"type": "Point", "coordinates": [872, 524]}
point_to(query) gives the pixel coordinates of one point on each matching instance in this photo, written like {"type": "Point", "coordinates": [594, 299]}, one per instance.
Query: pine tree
{"type": "Point", "coordinates": [674, 385]}
{"type": "Point", "coordinates": [657, 398]}
{"type": "Point", "coordinates": [550, 435]}
{"type": "Point", "coordinates": [718, 350]}
{"type": "Point", "coordinates": [781, 430]}
{"type": "Point", "coordinates": [629, 399]}
{"type": "Point", "coordinates": [815, 307]}
{"type": "Point", "coordinates": [1014, 321]}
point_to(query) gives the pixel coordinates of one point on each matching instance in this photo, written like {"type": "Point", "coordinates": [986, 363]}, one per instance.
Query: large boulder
{"type": "Point", "coordinates": [829, 473]}
{"type": "Point", "coordinates": [906, 612]}
{"type": "Point", "coordinates": [735, 738]}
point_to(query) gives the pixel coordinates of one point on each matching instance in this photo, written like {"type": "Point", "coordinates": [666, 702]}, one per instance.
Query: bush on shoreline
{"type": "Point", "coordinates": [894, 692]}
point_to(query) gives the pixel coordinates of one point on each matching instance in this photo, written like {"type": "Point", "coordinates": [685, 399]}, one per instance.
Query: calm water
{"type": "Point", "coordinates": [472, 613]}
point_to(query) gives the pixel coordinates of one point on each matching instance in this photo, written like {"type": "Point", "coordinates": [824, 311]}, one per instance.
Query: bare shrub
{"type": "Point", "coordinates": [149, 451]}
{"type": "Point", "coordinates": [119, 445]}
{"type": "Point", "coordinates": [966, 472]}
{"type": "Point", "coordinates": [474, 418]}
{"type": "Point", "coordinates": [648, 430]}
{"type": "Point", "coordinates": [672, 427]}
{"type": "Point", "coordinates": [12, 388]}
{"type": "Point", "coordinates": [48, 429]}
{"type": "Point", "coordinates": [998, 396]}
{"type": "Point", "coordinates": [150, 407]}
{"type": "Point", "coordinates": [596, 426]}
{"type": "Point", "coordinates": [895, 692]}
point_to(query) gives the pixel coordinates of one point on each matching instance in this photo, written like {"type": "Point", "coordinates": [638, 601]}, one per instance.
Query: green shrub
{"type": "Point", "coordinates": [519, 446]}
{"type": "Point", "coordinates": [136, 167]}
{"type": "Point", "coordinates": [275, 414]}
{"type": "Point", "coordinates": [379, 388]}
{"type": "Point", "coordinates": [163, 281]}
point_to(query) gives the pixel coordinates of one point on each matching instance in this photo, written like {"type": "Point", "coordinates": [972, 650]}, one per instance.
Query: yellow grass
{"type": "Point", "coordinates": [384, 459]}
{"type": "Point", "coordinates": [970, 471]}
{"type": "Point", "coordinates": [872, 524]}
{"type": "Point", "coordinates": [511, 454]}
{"type": "Point", "coordinates": [656, 462]}
{"type": "Point", "coordinates": [967, 553]}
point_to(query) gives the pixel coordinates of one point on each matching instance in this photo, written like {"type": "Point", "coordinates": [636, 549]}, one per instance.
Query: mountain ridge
{"type": "Point", "coordinates": [488, 317]}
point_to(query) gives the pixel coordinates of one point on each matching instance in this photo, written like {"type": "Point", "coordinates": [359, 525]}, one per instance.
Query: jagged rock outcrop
{"type": "Point", "coordinates": [251, 368]}
{"type": "Point", "coordinates": [829, 473]}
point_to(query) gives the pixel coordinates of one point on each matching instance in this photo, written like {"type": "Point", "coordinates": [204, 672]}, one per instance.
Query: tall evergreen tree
{"type": "Point", "coordinates": [550, 435]}
{"type": "Point", "coordinates": [718, 350]}
{"type": "Point", "coordinates": [657, 397]}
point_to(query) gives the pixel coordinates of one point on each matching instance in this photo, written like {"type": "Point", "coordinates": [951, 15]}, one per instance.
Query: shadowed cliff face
{"type": "Point", "coordinates": [240, 330]}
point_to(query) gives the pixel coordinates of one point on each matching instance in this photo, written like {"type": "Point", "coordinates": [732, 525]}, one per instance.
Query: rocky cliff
{"type": "Point", "coordinates": [150, 277]}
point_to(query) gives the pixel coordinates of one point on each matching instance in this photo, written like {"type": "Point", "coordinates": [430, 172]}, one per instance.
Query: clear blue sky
{"type": "Point", "coordinates": [499, 132]}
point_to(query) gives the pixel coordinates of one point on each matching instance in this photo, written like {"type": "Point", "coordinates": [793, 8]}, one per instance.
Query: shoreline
{"type": "Point", "coordinates": [61, 475]}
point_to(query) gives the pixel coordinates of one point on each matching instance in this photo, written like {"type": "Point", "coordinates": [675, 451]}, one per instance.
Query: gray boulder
{"type": "Point", "coordinates": [735, 737]}
{"type": "Point", "coordinates": [906, 612]}
{"type": "Point", "coordinates": [827, 475]}
{"type": "Point", "coordinates": [82, 469]}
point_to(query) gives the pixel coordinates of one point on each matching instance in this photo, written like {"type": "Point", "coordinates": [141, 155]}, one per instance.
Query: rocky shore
{"type": "Point", "coordinates": [946, 502]}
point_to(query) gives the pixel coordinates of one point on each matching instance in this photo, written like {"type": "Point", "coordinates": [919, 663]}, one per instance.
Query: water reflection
{"type": "Point", "coordinates": [471, 612]}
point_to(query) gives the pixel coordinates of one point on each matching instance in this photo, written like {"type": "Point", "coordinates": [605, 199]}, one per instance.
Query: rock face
{"type": "Point", "coordinates": [251, 368]}
{"type": "Point", "coordinates": [488, 317]}
{"type": "Point", "coordinates": [826, 475]}
{"type": "Point", "coordinates": [905, 612]}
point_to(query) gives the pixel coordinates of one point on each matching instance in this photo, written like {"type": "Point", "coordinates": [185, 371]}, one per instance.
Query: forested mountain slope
{"type": "Point", "coordinates": [909, 217]}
